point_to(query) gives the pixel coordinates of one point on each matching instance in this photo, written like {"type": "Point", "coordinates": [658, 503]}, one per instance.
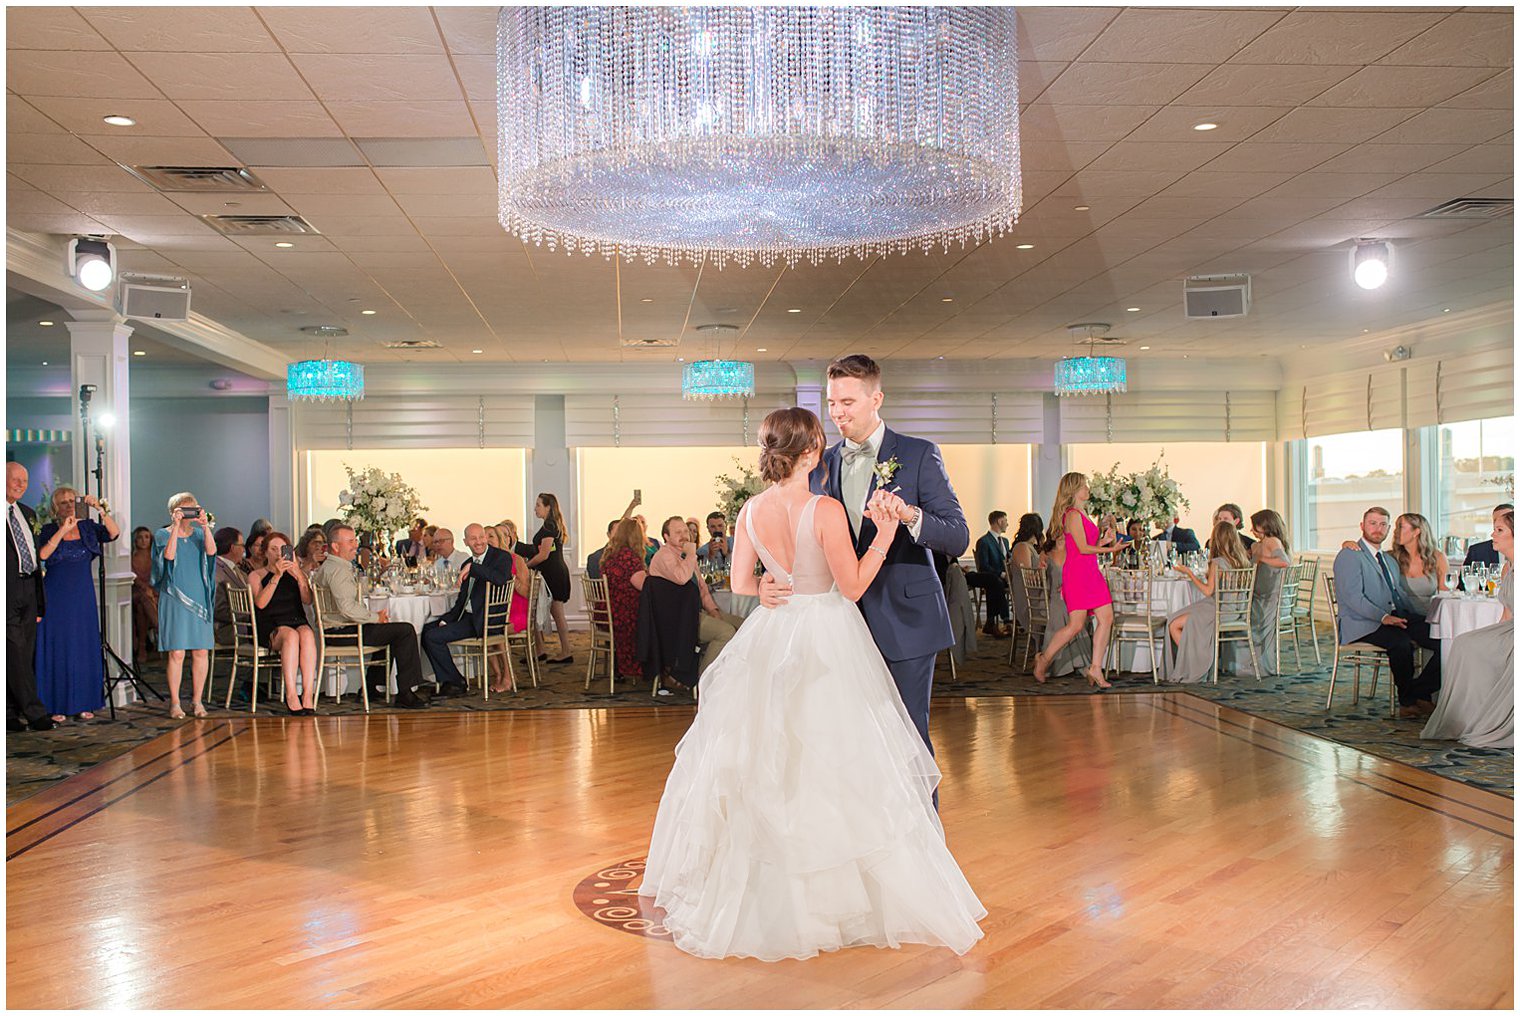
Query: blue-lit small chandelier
{"type": "Point", "coordinates": [716, 378]}
{"type": "Point", "coordinates": [1091, 374]}
{"type": "Point", "coordinates": [325, 381]}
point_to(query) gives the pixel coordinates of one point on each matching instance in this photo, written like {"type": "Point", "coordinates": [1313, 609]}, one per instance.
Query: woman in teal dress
{"type": "Point", "coordinates": [184, 573]}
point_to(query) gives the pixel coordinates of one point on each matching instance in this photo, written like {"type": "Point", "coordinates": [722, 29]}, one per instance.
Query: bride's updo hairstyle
{"type": "Point", "coordinates": [785, 437]}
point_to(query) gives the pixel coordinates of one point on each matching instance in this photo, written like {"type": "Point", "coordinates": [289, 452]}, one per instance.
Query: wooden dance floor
{"type": "Point", "coordinates": [1132, 850]}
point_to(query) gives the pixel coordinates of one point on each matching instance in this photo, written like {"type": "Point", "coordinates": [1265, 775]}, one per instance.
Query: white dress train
{"type": "Point", "coordinates": [798, 817]}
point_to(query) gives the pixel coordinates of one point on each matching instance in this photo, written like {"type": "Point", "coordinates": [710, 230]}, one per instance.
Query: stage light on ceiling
{"type": "Point", "coordinates": [1370, 263]}
{"type": "Point", "coordinates": [139, 352]}
{"type": "Point", "coordinates": [92, 261]}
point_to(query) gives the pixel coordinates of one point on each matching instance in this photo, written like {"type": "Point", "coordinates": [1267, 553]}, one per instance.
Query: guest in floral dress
{"type": "Point", "coordinates": [623, 568]}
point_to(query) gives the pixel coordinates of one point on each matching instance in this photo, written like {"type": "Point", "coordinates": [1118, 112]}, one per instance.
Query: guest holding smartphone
{"type": "Point", "coordinates": [70, 671]}
{"type": "Point", "coordinates": [281, 593]}
{"type": "Point", "coordinates": [184, 573]}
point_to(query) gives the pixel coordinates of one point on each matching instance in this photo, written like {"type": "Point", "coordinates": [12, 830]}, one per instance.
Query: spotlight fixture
{"type": "Point", "coordinates": [760, 349]}
{"type": "Point", "coordinates": [92, 261]}
{"type": "Point", "coordinates": [1143, 348]}
{"type": "Point", "coordinates": [477, 351]}
{"type": "Point", "coordinates": [647, 299]}
{"type": "Point", "coordinates": [1205, 126]}
{"type": "Point", "coordinates": [947, 299]}
{"type": "Point", "coordinates": [1370, 262]}
{"type": "Point", "coordinates": [117, 120]}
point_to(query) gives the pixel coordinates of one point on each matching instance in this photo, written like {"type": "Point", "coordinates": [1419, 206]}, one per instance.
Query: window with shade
{"type": "Point", "coordinates": [1343, 475]}
{"type": "Point", "coordinates": [1475, 470]}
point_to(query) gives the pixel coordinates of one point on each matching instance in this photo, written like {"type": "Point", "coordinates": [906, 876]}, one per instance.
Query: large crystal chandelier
{"type": "Point", "coordinates": [691, 134]}
{"type": "Point", "coordinates": [1090, 374]}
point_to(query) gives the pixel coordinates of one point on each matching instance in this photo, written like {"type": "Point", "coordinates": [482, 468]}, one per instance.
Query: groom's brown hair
{"type": "Point", "coordinates": [856, 365]}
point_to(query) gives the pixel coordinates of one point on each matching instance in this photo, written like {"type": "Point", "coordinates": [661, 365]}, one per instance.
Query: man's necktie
{"type": "Point", "coordinates": [23, 538]}
{"type": "Point", "coordinates": [1393, 591]}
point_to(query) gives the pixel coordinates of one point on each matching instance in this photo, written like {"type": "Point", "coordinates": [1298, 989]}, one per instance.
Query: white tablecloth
{"type": "Point", "coordinates": [731, 603]}
{"type": "Point", "coordinates": [1169, 594]}
{"type": "Point", "coordinates": [1451, 616]}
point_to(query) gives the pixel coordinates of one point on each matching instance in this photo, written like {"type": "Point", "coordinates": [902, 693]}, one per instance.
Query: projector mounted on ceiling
{"type": "Point", "coordinates": [1216, 296]}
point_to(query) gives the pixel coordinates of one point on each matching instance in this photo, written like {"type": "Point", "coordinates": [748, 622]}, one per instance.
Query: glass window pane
{"type": "Point", "coordinates": [1347, 474]}
{"type": "Point", "coordinates": [1476, 458]}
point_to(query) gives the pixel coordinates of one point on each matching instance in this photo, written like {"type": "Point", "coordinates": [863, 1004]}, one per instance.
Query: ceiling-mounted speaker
{"type": "Point", "coordinates": [1216, 296]}
{"type": "Point", "coordinates": [153, 298]}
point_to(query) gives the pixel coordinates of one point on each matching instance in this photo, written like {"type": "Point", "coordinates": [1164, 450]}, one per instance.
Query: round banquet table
{"type": "Point", "coordinates": [1451, 616]}
{"type": "Point", "coordinates": [731, 603]}
{"type": "Point", "coordinates": [1169, 594]}
{"type": "Point", "coordinates": [413, 608]}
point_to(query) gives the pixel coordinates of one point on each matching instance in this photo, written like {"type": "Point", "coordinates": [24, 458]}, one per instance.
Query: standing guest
{"type": "Point", "coordinates": [467, 618]}
{"type": "Point", "coordinates": [444, 553]}
{"type": "Point", "coordinates": [1485, 552]}
{"type": "Point", "coordinates": [311, 551]}
{"type": "Point", "coordinates": [1477, 704]}
{"type": "Point", "coordinates": [650, 543]}
{"type": "Point", "coordinates": [1231, 513]}
{"type": "Point", "coordinates": [253, 551]}
{"type": "Point", "coordinates": [25, 604]}
{"type": "Point", "coordinates": [229, 575]}
{"type": "Point", "coordinates": [70, 664]}
{"type": "Point", "coordinates": [184, 575]}
{"type": "Point", "coordinates": [719, 548]}
{"type": "Point", "coordinates": [594, 562]}
{"type": "Point", "coordinates": [1269, 552]}
{"type": "Point", "coordinates": [338, 577]}
{"type": "Point", "coordinates": [1083, 586]}
{"type": "Point", "coordinates": [281, 594]}
{"type": "Point", "coordinates": [677, 562]}
{"type": "Point", "coordinates": [144, 596]}
{"type": "Point", "coordinates": [992, 574]}
{"type": "Point", "coordinates": [1077, 653]}
{"type": "Point", "coordinates": [623, 566]}
{"type": "Point", "coordinates": [1372, 609]}
{"type": "Point", "coordinates": [1190, 649]}
{"type": "Point", "coordinates": [546, 555]}
{"type": "Point", "coordinates": [1184, 540]}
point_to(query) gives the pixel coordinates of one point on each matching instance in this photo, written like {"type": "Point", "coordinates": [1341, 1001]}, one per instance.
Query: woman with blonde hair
{"type": "Point", "coordinates": [1189, 652]}
{"type": "Point", "coordinates": [504, 537]}
{"type": "Point", "coordinates": [1269, 553]}
{"type": "Point", "coordinates": [70, 675]}
{"type": "Point", "coordinates": [1422, 567]}
{"type": "Point", "coordinates": [1083, 587]}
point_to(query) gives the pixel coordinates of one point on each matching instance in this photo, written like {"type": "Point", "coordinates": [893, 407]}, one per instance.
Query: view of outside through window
{"type": "Point", "coordinates": [1476, 471]}
{"type": "Point", "coordinates": [1346, 475]}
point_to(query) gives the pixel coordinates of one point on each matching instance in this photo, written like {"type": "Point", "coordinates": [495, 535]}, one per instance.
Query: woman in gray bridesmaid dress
{"type": "Point", "coordinates": [1422, 566]}
{"type": "Point", "coordinates": [1076, 655]}
{"type": "Point", "coordinates": [1271, 557]}
{"type": "Point", "coordinates": [1476, 704]}
{"type": "Point", "coordinates": [1189, 655]}
{"type": "Point", "coordinates": [1025, 553]}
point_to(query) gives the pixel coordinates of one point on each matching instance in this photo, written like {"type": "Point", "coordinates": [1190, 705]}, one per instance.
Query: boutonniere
{"type": "Point", "coordinates": [36, 524]}
{"type": "Point", "coordinates": [886, 470]}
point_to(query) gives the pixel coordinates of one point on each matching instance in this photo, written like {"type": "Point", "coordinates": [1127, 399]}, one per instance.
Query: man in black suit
{"type": "Point", "coordinates": [1185, 540]}
{"type": "Point", "coordinates": [1232, 514]}
{"type": "Point", "coordinates": [467, 619]}
{"type": "Point", "coordinates": [991, 574]}
{"type": "Point", "coordinates": [24, 607]}
{"type": "Point", "coordinates": [1484, 552]}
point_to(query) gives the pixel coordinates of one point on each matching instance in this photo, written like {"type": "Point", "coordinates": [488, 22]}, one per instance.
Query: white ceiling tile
{"type": "Point", "coordinates": [1462, 40]}
{"type": "Point", "coordinates": [260, 119]}
{"type": "Point", "coordinates": [441, 180]}
{"type": "Point", "coordinates": [468, 29]}
{"type": "Point", "coordinates": [1041, 121]}
{"type": "Point", "coordinates": [61, 149]}
{"type": "Point", "coordinates": [1165, 205]}
{"type": "Point", "coordinates": [373, 29]}
{"type": "Point", "coordinates": [456, 225]}
{"type": "Point", "coordinates": [41, 222]}
{"type": "Point", "coordinates": [1479, 159]}
{"type": "Point", "coordinates": [231, 204]}
{"type": "Point", "coordinates": [478, 73]}
{"type": "Point", "coordinates": [1377, 158]}
{"type": "Point", "coordinates": [151, 151]}
{"type": "Point", "coordinates": [1333, 124]}
{"type": "Point", "coordinates": [227, 76]}
{"type": "Point", "coordinates": [1438, 187]}
{"type": "Point", "coordinates": [107, 178]}
{"type": "Point", "coordinates": [343, 205]}
{"type": "Point", "coordinates": [1332, 185]}
{"type": "Point", "coordinates": [1224, 185]}
{"type": "Point", "coordinates": [1498, 92]}
{"type": "Point", "coordinates": [1145, 35]}
{"type": "Point", "coordinates": [1175, 123]}
{"type": "Point", "coordinates": [1160, 156]}
{"type": "Point", "coordinates": [1250, 156]}
{"type": "Point", "coordinates": [151, 226]}
{"type": "Point", "coordinates": [1372, 206]}
{"type": "Point", "coordinates": [56, 28]}
{"type": "Point", "coordinates": [155, 117]}
{"type": "Point", "coordinates": [1401, 87]}
{"type": "Point", "coordinates": [1060, 33]}
{"type": "Point", "coordinates": [357, 243]}
{"type": "Point", "coordinates": [1035, 77]}
{"type": "Point", "coordinates": [1123, 84]}
{"type": "Point", "coordinates": [363, 225]}
{"type": "Point", "coordinates": [1263, 84]}
{"type": "Point", "coordinates": [76, 74]}
{"type": "Point", "coordinates": [425, 206]}
{"type": "Point", "coordinates": [1455, 126]}
{"type": "Point", "coordinates": [327, 180]}
{"type": "Point", "coordinates": [1066, 157]}
{"type": "Point", "coordinates": [126, 203]}
{"type": "Point", "coordinates": [38, 203]}
{"type": "Point", "coordinates": [402, 78]}
{"type": "Point", "coordinates": [181, 29]}
{"type": "Point", "coordinates": [23, 118]}
{"type": "Point", "coordinates": [396, 259]}
{"type": "Point", "coordinates": [414, 119]}
{"type": "Point", "coordinates": [1334, 37]}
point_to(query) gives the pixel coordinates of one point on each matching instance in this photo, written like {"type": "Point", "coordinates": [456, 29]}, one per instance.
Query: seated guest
{"type": "Point", "coordinates": [1189, 656]}
{"type": "Point", "coordinates": [1231, 513]}
{"type": "Point", "coordinates": [144, 596]}
{"type": "Point", "coordinates": [229, 555]}
{"type": "Point", "coordinates": [517, 614]}
{"type": "Point", "coordinates": [1485, 552]}
{"type": "Point", "coordinates": [1477, 705]}
{"type": "Point", "coordinates": [253, 551]}
{"type": "Point", "coordinates": [281, 594]}
{"type": "Point", "coordinates": [487, 564]}
{"type": "Point", "coordinates": [1372, 609]}
{"type": "Point", "coordinates": [1184, 540]}
{"type": "Point", "coordinates": [991, 574]}
{"type": "Point", "coordinates": [340, 580]}
{"type": "Point", "coordinates": [444, 553]}
{"type": "Point", "coordinates": [623, 566]}
{"type": "Point", "coordinates": [412, 545]}
{"type": "Point", "coordinates": [677, 562]}
{"type": "Point", "coordinates": [1134, 554]}
{"type": "Point", "coordinates": [311, 551]}
{"type": "Point", "coordinates": [1026, 542]}
{"type": "Point", "coordinates": [1422, 568]}
{"type": "Point", "coordinates": [693, 532]}
{"type": "Point", "coordinates": [328, 527]}
{"type": "Point", "coordinates": [719, 548]}
{"type": "Point", "coordinates": [68, 660]}
{"type": "Point", "coordinates": [594, 562]}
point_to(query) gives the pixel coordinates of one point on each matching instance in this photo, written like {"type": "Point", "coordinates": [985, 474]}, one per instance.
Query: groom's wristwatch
{"type": "Point", "coordinates": [918, 516]}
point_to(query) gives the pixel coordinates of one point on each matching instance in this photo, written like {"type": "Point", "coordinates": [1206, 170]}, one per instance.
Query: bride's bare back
{"type": "Point", "coordinates": [804, 541]}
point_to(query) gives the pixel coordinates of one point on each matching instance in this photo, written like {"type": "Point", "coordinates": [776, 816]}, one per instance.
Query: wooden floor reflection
{"type": "Point", "coordinates": [1132, 851]}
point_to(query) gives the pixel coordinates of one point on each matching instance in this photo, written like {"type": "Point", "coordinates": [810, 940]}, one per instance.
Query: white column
{"type": "Point", "coordinates": [810, 388]}
{"type": "Point", "coordinates": [282, 463]}
{"type": "Point", "coordinates": [99, 356]}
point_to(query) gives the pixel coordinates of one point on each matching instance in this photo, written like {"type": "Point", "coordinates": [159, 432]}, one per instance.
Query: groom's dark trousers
{"type": "Point", "coordinates": [915, 684]}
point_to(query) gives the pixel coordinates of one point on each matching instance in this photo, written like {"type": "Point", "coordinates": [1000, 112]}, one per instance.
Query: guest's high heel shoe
{"type": "Point", "coordinates": [1041, 666]}
{"type": "Point", "coordinates": [1096, 680]}
{"type": "Point", "coordinates": [198, 709]}
{"type": "Point", "coordinates": [175, 712]}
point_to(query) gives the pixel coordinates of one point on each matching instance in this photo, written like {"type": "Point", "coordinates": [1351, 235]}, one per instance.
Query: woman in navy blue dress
{"type": "Point", "coordinates": [70, 676]}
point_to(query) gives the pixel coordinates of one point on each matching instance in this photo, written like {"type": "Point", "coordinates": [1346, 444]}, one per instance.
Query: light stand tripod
{"type": "Point", "coordinates": [125, 674]}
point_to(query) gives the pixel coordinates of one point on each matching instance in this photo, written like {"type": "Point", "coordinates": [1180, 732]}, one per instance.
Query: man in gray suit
{"type": "Point", "coordinates": [338, 576]}
{"type": "Point", "coordinates": [1371, 609]}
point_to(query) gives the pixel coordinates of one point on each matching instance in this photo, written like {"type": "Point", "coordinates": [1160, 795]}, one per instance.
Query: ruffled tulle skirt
{"type": "Point", "coordinates": [798, 817]}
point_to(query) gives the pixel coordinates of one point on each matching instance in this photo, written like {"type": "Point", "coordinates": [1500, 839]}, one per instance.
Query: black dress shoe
{"type": "Point", "coordinates": [411, 702]}
{"type": "Point", "coordinates": [449, 691]}
{"type": "Point", "coordinates": [14, 724]}
{"type": "Point", "coordinates": [43, 723]}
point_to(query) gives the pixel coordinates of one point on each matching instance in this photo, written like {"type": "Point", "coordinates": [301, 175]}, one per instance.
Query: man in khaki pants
{"type": "Point", "coordinates": [677, 562]}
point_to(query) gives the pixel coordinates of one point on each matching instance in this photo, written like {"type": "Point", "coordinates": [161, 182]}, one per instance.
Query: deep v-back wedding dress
{"type": "Point", "coordinates": [798, 816]}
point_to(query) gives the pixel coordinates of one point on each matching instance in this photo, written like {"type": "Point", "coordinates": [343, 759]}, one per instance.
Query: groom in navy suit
{"type": "Point", "coordinates": [905, 607]}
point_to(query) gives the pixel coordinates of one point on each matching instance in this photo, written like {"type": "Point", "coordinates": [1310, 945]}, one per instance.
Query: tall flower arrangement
{"type": "Point", "coordinates": [1151, 495]}
{"type": "Point", "coordinates": [377, 503]}
{"type": "Point", "coordinates": [733, 492]}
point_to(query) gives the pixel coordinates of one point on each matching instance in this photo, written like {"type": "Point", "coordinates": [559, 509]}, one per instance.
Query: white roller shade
{"type": "Point", "coordinates": [964, 417]}
{"type": "Point", "coordinates": [1475, 386]}
{"type": "Point", "coordinates": [666, 420]}
{"type": "Point", "coordinates": [433, 421]}
{"type": "Point", "coordinates": [1169, 416]}
{"type": "Point", "coordinates": [1343, 403]}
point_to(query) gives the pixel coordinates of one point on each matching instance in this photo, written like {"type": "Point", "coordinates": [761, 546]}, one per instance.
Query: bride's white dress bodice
{"type": "Point", "coordinates": [809, 574]}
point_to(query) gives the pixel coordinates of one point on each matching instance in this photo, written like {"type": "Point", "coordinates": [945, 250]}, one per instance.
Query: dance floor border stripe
{"type": "Point", "coordinates": [1169, 706]}
{"type": "Point", "coordinates": [97, 809]}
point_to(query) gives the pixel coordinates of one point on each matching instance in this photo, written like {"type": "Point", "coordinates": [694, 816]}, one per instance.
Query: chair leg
{"type": "Point", "coordinates": [253, 693]}
{"type": "Point", "coordinates": [1335, 666]}
{"type": "Point", "coordinates": [1255, 660]}
{"type": "Point", "coordinates": [1314, 637]}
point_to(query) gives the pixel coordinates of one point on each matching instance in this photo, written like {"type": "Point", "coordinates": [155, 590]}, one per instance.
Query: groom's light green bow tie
{"type": "Point", "coordinates": [858, 453]}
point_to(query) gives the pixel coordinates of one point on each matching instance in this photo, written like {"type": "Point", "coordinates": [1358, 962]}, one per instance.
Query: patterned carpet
{"type": "Point", "coordinates": [36, 760]}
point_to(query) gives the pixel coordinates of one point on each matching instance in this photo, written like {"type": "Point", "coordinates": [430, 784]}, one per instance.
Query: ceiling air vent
{"type": "Point", "coordinates": [650, 343]}
{"type": "Point", "coordinates": [414, 344]}
{"type": "Point", "coordinates": [258, 225]}
{"type": "Point", "coordinates": [1471, 208]}
{"type": "Point", "coordinates": [202, 179]}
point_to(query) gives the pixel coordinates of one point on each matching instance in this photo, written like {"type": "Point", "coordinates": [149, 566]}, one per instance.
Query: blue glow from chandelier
{"type": "Point", "coordinates": [1091, 375]}
{"type": "Point", "coordinates": [325, 380]}
{"type": "Point", "coordinates": [718, 379]}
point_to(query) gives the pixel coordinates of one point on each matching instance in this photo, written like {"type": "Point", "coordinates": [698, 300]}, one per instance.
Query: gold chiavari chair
{"type": "Point", "coordinates": [1232, 623]}
{"type": "Point", "coordinates": [1358, 655]}
{"type": "Point", "coordinates": [343, 647]}
{"type": "Point", "coordinates": [603, 642]}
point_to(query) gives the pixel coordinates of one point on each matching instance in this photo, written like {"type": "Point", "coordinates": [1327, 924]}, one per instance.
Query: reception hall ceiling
{"type": "Point", "coordinates": [377, 125]}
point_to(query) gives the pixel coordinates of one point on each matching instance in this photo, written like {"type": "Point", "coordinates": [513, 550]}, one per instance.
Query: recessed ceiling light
{"type": "Point", "coordinates": [1445, 310]}
{"type": "Point", "coordinates": [477, 351]}
{"type": "Point", "coordinates": [1132, 310]}
{"type": "Point", "coordinates": [284, 243]}
{"type": "Point", "coordinates": [1026, 246]}
{"type": "Point", "coordinates": [44, 363]}
{"type": "Point", "coordinates": [947, 299]}
{"type": "Point", "coordinates": [647, 300]}
{"type": "Point", "coordinates": [1184, 356]}
{"type": "Point", "coordinates": [1205, 126]}
{"type": "Point", "coordinates": [139, 352]}
{"type": "Point", "coordinates": [761, 349]}
{"type": "Point", "coordinates": [1143, 348]}
{"type": "Point", "coordinates": [45, 324]}
{"type": "Point", "coordinates": [939, 357]}
{"type": "Point", "coordinates": [117, 120]}
{"type": "Point", "coordinates": [680, 359]}
{"type": "Point", "coordinates": [368, 312]}
{"type": "Point", "coordinates": [1082, 208]}
{"type": "Point", "coordinates": [794, 310]}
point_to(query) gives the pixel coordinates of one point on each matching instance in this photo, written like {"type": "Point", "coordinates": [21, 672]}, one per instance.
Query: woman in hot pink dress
{"type": "Point", "coordinates": [1083, 586]}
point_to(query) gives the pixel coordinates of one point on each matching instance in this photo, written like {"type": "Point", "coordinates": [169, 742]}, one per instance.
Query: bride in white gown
{"type": "Point", "coordinates": [799, 817]}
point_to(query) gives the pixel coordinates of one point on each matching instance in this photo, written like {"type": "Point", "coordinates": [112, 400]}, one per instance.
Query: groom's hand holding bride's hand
{"type": "Point", "coordinates": [772, 593]}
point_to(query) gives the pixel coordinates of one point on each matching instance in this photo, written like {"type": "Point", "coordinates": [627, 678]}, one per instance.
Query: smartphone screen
{"type": "Point", "coordinates": [287, 554]}
{"type": "Point", "coordinates": [638, 495]}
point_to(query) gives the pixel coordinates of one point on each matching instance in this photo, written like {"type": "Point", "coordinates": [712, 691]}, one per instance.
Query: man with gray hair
{"type": "Point", "coordinates": [24, 607]}
{"type": "Point", "coordinates": [338, 577]}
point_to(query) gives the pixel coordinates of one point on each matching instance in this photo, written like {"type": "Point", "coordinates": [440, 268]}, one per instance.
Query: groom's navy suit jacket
{"type": "Point", "coordinates": [905, 606]}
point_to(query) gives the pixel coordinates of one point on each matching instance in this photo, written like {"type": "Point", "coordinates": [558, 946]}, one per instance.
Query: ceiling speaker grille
{"type": "Point", "coordinates": [201, 179]}
{"type": "Point", "coordinates": [1471, 208]}
{"type": "Point", "coordinates": [258, 225]}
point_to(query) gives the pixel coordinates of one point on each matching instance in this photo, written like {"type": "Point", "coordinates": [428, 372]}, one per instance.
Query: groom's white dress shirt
{"type": "Point", "coordinates": [855, 477]}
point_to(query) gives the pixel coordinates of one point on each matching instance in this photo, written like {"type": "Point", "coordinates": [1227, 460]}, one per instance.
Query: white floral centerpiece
{"type": "Point", "coordinates": [377, 503]}
{"type": "Point", "coordinates": [1151, 495]}
{"type": "Point", "coordinates": [732, 492]}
